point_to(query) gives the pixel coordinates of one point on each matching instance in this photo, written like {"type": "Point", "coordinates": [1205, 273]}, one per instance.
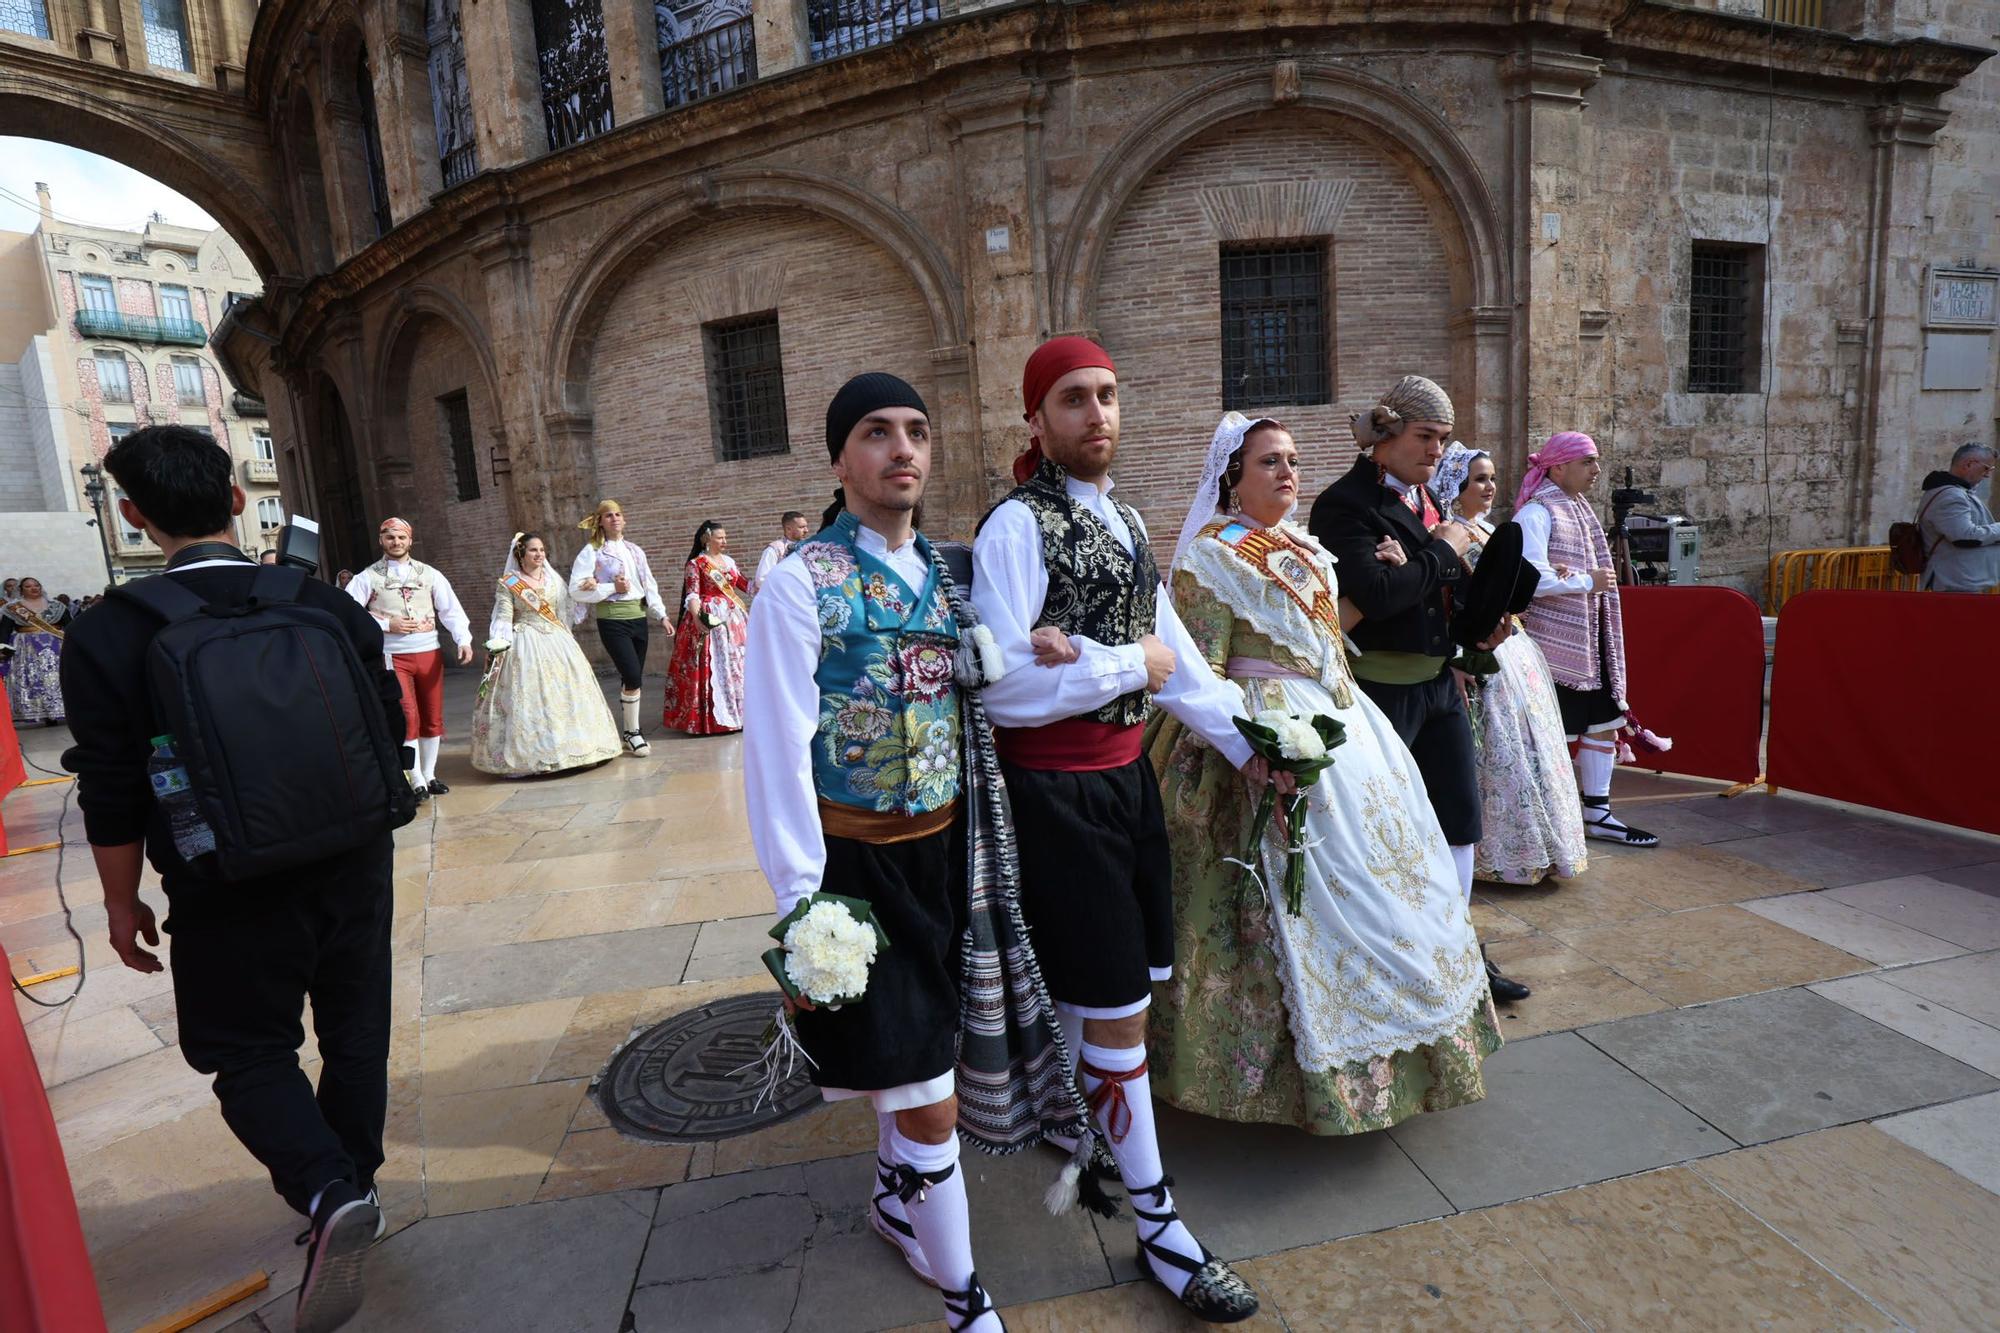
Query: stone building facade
{"type": "Point", "coordinates": [530, 252]}
{"type": "Point", "coordinates": [111, 334]}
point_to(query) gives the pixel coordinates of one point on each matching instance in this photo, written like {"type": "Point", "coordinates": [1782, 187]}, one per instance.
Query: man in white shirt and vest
{"type": "Point", "coordinates": [409, 600]}
{"type": "Point", "coordinates": [795, 528]}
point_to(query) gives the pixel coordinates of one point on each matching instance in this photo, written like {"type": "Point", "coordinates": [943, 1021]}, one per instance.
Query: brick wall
{"type": "Point", "coordinates": [467, 539]}
{"type": "Point", "coordinates": [1159, 301]}
{"type": "Point", "coordinates": [844, 306]}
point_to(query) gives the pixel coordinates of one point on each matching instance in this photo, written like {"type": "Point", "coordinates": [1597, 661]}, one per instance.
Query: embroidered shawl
{"type": "Point", "coordinates": [1581, 634]}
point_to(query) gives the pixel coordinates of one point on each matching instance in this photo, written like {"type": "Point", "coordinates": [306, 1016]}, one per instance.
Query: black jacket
{"type": "Point", "coordinates": [1403, 607]}
{"type": "Point", "coordinates": [110, 714]}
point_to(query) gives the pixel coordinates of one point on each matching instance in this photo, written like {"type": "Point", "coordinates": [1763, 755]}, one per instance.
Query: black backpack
{"type": "Point", "coordinates": [277, 720]}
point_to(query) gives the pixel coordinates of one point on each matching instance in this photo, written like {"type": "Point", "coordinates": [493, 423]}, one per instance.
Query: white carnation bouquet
{"type": "Point", "coordinates": [1302, 746]}
{"type": "Point", "coordinates": [827, 943]}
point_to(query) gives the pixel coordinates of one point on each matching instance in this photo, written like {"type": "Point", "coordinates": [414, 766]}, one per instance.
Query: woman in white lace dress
{"type": "Point", "coordinates": [540, 707]}
{"type": "Point", "coordinates": [1370, 1005]}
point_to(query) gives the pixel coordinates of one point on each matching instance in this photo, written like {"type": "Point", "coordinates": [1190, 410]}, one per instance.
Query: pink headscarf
{"type": "Point", "coordinates": [402, 523]}
{"type": "Point", "coordinates": [1563, 447]}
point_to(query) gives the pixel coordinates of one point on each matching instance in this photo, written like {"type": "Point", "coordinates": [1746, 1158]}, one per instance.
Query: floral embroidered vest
{"type": "Point", "coordinates": [1096, 589]}
{"type": "Point", "coordinates": [888, 736]}
{"type": "Point", "coordinates": [402, 594]}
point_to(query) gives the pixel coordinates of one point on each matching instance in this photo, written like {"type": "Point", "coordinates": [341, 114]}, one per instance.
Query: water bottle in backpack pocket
{"type": "Point", "coordinates": [174, 794]}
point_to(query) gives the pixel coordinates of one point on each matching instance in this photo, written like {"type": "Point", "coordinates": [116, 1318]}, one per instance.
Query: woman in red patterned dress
{"type": "Point", "coordinates": [705, 678]}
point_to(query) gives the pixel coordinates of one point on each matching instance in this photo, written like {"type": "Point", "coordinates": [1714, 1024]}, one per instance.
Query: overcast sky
{"type": "Point", "coordinates": [86, 188]}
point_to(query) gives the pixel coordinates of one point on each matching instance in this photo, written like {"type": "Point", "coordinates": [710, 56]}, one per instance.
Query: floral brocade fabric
{"type": "Point", "coordinates": [1379, 977]}
{"type": "Point", "coordinates": [888, 737]}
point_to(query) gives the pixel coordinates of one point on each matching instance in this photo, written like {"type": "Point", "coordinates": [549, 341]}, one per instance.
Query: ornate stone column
{"type": "Point", "coordinates": [542, 489]}
{"type": "Point", "coordinates": [501, 65]}
{"type": "Point", "coordinates": [632, 41]}
{"type": "Point", "coordinates": [780, 26]}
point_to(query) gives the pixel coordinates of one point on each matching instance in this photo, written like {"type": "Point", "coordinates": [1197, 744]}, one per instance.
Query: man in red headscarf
{"type": "Point", "coordinates": [1095, 879]}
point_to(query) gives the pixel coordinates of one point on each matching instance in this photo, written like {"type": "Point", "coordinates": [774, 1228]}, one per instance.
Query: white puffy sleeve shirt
{"type": "Point", "coordinates": [1010, 584]}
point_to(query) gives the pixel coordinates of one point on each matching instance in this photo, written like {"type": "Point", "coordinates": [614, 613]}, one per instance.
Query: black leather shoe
{"type": "Point", "coordinates": [438, 788]}
{"type": "Point", "coordinates": [1505, 989]}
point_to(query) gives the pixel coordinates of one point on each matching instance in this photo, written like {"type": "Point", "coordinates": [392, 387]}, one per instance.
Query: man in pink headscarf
{"type": "Point", "coordinates": [1575, 618]}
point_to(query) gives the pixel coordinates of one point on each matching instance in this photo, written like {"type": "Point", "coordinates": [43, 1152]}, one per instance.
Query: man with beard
{"type": "Point", "coordinates": [1095, 878]}
{"type": "Point", "coordinates": [1404, 634]}
{"type": "Point", "coordinates": [409, 600]}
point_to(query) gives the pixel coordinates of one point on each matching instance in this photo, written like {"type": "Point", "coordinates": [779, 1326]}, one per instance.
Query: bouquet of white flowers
{"type": "Point", "coordinates": [496, 650]}
{"type": "Point", "coordinates": [1301, 746]}
{"type": "Point", "coordinates": [827, 944]}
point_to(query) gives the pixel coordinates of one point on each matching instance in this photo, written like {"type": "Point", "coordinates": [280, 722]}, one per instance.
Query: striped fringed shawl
{"type": "Point", "coordinates": [1571, 628]}
{"type": "Point", "coordinates": [1016, 1077]}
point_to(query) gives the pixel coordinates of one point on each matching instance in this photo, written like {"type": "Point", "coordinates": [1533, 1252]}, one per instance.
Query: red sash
{"type": "Point", "coordinates": [1074, 745]}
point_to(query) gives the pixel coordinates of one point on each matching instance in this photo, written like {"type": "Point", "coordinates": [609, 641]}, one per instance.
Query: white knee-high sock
{"type": "Point", "coordinates": [939, 1214]}
{"type": "Point", "coordinates": [427, 757]}
{"type": "Point", "coordinates": [1125, 1115]}
{"type": "Point", "coordinates": [1461, 856]}
{"type": "Point", "coordinates": [628, 710]}
{"type": "Point", "coordinates": [1593, 769]}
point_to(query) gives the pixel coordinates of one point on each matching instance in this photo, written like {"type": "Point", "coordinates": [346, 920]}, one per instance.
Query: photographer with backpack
{"type": "Point", "coordinates": [237, 724]}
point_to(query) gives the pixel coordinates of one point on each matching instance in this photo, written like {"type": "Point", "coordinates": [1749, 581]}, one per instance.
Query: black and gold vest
{"type": "Point", "coordinates": [1096, 589]}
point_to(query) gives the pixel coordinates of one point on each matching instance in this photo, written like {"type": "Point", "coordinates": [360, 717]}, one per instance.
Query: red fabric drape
{"type": "Point", "coordinates": [12, 772]}
{"type": "Point", "coordinates": [46, 1284]}
{"type": "Point", "coordinates": [1694, 667]}
{"type": "Point", "coordinates": [1880, 698]}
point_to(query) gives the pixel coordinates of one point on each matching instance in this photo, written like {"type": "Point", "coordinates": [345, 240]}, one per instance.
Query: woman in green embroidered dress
{"type": "Point", "coordinates": [1370, 1005]}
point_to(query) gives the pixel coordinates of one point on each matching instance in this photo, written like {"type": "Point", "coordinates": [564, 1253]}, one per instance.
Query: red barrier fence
{"type": "Point", "coordinates": [1879, 698]}
{"type": "Point", "coordinates": [12, 774]}
{"type": "Point", "coordinates": [46, 1284]}
{"type": "Point", "coordinates": [1694, 665]}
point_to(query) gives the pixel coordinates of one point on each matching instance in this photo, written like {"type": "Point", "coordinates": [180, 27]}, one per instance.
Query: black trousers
{"type": "Point", "coordinates": [1432, 721]}
{"type": "Point", "coordinates": [625, 640]}
{"type": "Point", "coordinates": [905, 1029]}
{"type": "Point", "coordinates": [243, 967]}
{"type": "Point", "coordinates": [1096, 880]}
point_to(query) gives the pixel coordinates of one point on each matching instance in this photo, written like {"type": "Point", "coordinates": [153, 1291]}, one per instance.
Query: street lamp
{"type": "Point", "coordinates": [96, 491]}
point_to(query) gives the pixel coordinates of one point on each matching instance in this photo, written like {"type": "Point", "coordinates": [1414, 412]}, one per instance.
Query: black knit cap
{"type": "Point", "coordinates": [860, 396]}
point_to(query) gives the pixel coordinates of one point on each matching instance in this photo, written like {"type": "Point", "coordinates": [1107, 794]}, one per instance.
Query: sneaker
{"type": "Point", "coordinates": [344, 1225]}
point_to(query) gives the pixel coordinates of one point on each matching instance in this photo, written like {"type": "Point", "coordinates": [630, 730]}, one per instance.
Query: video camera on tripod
{"type": "Point", "coordinates": [1651, 548]}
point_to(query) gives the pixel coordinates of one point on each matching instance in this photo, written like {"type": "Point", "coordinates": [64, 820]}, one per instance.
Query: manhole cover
{"type": "Point", "coordinates": [679, 1081]}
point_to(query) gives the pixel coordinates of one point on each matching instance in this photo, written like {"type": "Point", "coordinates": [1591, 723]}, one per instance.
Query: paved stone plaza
{"type": "Point", "coordinates": [1755, 1087]}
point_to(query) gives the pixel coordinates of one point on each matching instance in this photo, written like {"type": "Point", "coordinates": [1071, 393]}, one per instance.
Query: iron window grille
{"type": "Point", "coordinates": [455, 413]}
{"type": "Point", "coordinates": [836, 27]}
{"type": "Point", "coordinates": [706, 48]}
{"type": "Point", "coordinates": [746, 387]}
{"type": "Point", "coordinates": [187, 382]}
{"type": "Point", "coordinates": [1724, 288]}
{"type": "Point", "coordinates": [371, 143]}
{"type": "Point", "coordinates": [576, 70]}
{"type": "Point", "coordinates": [451, 93]}
{"type": "Point", "coordinates": [29, 17]}
{"type": "Point", "coordinates": [114, 379]}
{"type": "Point", "coordinates": [1275, 349]}
{"type": "Point", "coordinates": [166, 34]}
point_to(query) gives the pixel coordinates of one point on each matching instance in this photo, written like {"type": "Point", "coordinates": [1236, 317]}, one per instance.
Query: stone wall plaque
{"type": "Point", "coordinates": [1957, 298]}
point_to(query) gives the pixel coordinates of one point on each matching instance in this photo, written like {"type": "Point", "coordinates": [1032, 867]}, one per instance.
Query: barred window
{"type": "Point", "coordinates": [25, 16]}
{"type": "Point", "coordinates": [706, 47]}
{"type": "Point", "coordinates": [1725, 315]}
{"type": "Point", "coordinates": [576, 70]}
{"type": "Point", "coordinates": [114, 378]}
{"type": "Point", "coordinates": [836, 27]}
{"type": "Point", "coordinates": [187, 382]}
{"type": "Point", "coordinates": [451, 93]}
{"type": "Point", "coordinates": [166, 34]}
{"type": "Point", "coordinates": [455, 422]}
{"type": "Point", "coordinates": [1275, 349]}
{"type": "Point", "coordinates": [746, 387]}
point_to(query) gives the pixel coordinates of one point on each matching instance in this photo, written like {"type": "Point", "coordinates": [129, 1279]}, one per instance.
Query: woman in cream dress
{"type": "Point", "coordinates": [540, 707]}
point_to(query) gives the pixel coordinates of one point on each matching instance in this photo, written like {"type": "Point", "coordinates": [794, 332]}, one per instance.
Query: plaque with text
{"type": "Point", "coordinates": [1960, 298]}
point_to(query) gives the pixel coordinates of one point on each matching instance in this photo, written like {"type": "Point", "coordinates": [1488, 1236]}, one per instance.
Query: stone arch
{"type": "Point", "coordinates": [429, 355]}
{"type": "Point", "coordinates": [1403, 123]}
{"type": "Point", "coordinates": [47, 109]}
{"type": "Point", "coordinates": [652, 225]}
